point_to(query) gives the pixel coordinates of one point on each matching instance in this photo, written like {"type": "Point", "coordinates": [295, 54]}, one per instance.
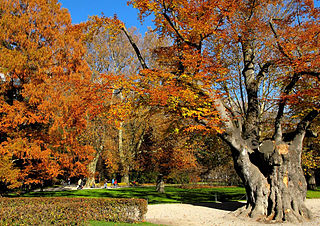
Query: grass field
{"type": "Point", "coordinates": [314, 194]}
{"type": "Point", "coordinates": [172, 195]}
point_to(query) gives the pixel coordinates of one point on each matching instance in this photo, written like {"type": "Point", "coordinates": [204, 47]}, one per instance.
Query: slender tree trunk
{"type": "Point", "coordinates": [123, 163]}
{"type": "Point", "coordinates": [123, 160]}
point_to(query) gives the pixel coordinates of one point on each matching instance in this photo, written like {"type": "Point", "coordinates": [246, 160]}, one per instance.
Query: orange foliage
{"type": "Point", "coordinates": [202, 62]}
{"type": "Point", "coordinates": [46, 92]}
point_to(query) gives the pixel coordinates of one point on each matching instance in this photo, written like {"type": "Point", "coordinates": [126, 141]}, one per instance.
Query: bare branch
{"type": "Point", "coordinates": [281, 49]}
{"type": "Point", "coordinates": [303, 129]}
{"type": "Point", "coordinates": [263, 70]}
{"type": "Point", "coordinates": [135, 47]}
{"type": "Point", "coordinates": [197, 46]}
{"type": "Point", "coordinates": [306, 121]}
{"type": "Point", "coordinates": [278, 131]}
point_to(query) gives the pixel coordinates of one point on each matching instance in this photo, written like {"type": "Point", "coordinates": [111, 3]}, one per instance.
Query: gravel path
{"type": "Point", "coordinates": [215, 214]}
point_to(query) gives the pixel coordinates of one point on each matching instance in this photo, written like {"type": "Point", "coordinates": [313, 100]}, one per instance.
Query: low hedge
{"type": "Point", "coordinates": [70, 211]}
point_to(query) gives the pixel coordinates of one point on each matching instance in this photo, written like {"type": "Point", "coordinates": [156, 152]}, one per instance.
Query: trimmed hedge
{"type": "Point", "coordinates": [70, 211]}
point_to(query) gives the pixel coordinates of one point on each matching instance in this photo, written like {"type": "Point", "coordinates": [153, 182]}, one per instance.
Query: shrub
{"type": "Point", "coordinates": [69, 211]}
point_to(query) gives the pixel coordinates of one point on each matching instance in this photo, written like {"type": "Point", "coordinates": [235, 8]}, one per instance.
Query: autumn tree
{"type": "Point", "coordinates": [214, 157]}
{"type": "Point", "coordinates": [277, 43]}
{"type": "Point", "coordinates": [311, 150]}
{"type": "Point", "coordinates": [111, 58]}
{"type": "Point", "coordinates": [44, 93]}
{"type": "Point", "coordinates": [165, 154]}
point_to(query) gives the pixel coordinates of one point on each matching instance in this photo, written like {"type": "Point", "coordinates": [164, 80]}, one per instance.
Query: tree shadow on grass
{"type": "Point", "coordinates": [209, 197]}
{"type": "Point", "coordinates": [228, 206]}
{"type": "Point", "coordinates": [172, 195]}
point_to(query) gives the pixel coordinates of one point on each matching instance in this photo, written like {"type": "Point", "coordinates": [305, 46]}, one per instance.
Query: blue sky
{"type": "Point", "coordinates": [81, 9]}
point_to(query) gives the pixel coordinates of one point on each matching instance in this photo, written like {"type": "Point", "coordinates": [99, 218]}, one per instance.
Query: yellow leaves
{"type": "Point", "coordinates": [199, 112]}
{"type": "Point", "coordinates": [8, 174]}
{"type": "Point", "coordinates": [192, 19]}
{"type": "Point", "coordinates": [310, 160]}
{"type": "Point", "coordinates": [110, 27]}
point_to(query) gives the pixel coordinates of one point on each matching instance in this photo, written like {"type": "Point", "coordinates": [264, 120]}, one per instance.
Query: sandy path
{"type": "Point", "coordinates": [218, 214]}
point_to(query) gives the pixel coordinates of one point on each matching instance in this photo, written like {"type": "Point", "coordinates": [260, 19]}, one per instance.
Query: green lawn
{"type": "Point", "coordinates": [172, 195]}
{"type": "Point", "coordinates": [314, 194]}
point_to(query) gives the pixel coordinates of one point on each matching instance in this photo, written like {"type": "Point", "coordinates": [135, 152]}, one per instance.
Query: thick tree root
{"type": "Point", "coordinates": [292, 215]}
{"type": "Point", "coordinates": [242, 212]}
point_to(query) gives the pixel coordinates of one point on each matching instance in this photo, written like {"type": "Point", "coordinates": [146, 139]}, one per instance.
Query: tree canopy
{"type": "Point", "coordinates": [244, 71]}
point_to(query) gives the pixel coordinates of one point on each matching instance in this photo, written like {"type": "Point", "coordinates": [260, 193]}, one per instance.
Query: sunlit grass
{"type": "Point", "coordinates": [172, 195]}
{"type": "Point", "coordinates": [313, 194]}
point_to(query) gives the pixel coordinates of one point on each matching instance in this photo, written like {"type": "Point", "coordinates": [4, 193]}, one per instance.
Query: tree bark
{"type": "Point", "coordinates": [125, 177]}
{"type": "Point", "coordinates": [160, 184]}
{"type": "Point", "coordinates": [270, 170]}
{"type": "Point", "coordinates": [123, 163]}
{"type": "Point", "coordinates": [92, 170]}
{"type": "Point", "coordinates": [274, 181]}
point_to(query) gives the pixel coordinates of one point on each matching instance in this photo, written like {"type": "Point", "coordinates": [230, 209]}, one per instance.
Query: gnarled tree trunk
{"type": "Point", "coordinates": [270, 170]}
{"type": "Point", "coordinates": [274, 181]}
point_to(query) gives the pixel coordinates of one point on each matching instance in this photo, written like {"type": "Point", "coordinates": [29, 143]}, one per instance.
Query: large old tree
{"type": "Point", "coordinates": [237, 67]}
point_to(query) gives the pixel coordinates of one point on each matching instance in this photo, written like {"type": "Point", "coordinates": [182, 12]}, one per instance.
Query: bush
{"type": "Point", "coordinates": [69, 211]}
